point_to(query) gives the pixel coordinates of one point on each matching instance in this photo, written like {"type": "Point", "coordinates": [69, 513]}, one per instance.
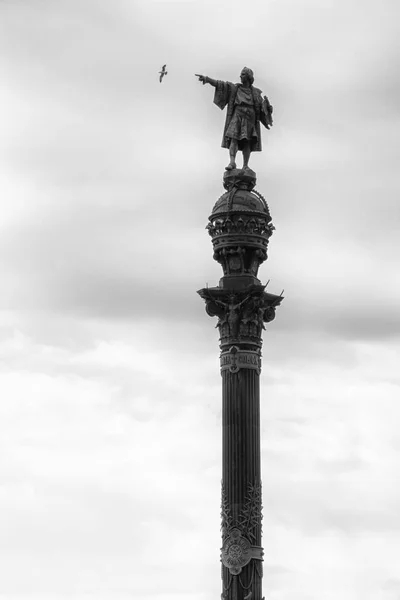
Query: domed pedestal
{"type": "Point", "coordinates": [240, 227]}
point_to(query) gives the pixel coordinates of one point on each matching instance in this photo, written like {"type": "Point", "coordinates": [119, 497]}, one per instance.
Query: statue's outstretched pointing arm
{"type": "Point", "coordinates": [204, 79]}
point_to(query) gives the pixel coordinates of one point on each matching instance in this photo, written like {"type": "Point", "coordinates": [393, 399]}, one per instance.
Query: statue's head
{"type": "Point", "coordinates": [247, 74]}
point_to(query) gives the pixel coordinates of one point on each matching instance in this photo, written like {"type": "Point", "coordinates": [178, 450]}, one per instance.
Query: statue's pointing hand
{"type": "Point", "coordinates": [202, 78]}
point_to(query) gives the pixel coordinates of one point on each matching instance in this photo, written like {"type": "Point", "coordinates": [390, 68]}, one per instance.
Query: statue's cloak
{"type": "Point", "coordinates": [225, 95]}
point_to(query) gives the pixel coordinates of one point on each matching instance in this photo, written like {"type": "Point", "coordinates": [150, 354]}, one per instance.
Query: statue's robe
{"type": "Point", "coordinates": [225, 95]}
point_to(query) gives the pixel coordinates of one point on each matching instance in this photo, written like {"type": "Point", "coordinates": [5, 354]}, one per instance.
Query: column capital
{"type": "Point", "coordinates": [241, 314]}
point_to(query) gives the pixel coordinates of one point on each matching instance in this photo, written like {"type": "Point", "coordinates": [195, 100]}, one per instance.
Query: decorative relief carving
{"type": "Point", "coordinates": [239, 536]}
{"type": "Point", "coordinates": [237, 552]}
{"type": "Point", "coordinates": [242, 314]}
{"type": "Point", "coordinates": [251, 513]}
{"type": "Point", "coordinates": [226, 514]}
{"type": "Point", "coordinates": [237, 359]}
{"type": "Point", "coordinates": [236, 260]}
{"type": "Point", "coordinates": [249, 224]}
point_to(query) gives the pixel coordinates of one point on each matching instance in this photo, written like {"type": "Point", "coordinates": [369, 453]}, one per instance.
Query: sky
{"type": "Point", "coordinates": [110, 391]}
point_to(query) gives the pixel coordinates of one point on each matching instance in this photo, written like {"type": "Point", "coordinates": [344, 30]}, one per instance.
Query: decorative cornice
{"type": "Point", "coordinates": [240, 223]}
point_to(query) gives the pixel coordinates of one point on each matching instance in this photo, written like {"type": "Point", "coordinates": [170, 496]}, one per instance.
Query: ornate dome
{"type": "Point", "coordinates": [240, 196]}
{"type": "Point", "coordinates": [242, 201]}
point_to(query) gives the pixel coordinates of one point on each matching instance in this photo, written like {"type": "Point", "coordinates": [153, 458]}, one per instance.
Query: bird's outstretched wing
{"type": "Point", "coordinates": [162, 72]}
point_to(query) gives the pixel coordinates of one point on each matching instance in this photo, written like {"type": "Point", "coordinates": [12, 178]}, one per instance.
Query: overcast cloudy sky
{"type": "Point", "coordinates": [110, 419]}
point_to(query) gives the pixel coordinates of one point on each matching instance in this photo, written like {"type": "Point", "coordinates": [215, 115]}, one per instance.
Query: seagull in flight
{"type": "Point", "coordinates": [163, 72]}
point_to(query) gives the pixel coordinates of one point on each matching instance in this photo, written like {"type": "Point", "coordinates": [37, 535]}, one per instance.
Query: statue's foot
{"type": "Point", "coordinates": [246, 168]}
{"type": "Point", "coordinates": [232, 165]}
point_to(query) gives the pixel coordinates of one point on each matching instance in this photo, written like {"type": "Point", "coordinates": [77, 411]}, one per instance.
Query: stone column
{"type": "Point", "coordinates": [240, 227]}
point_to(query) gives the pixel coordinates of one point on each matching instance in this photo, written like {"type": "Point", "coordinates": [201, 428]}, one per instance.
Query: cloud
{"type": "Point", "coordinates": [82, 465]}
{"type": "Point", "coordinates": [110, 415]}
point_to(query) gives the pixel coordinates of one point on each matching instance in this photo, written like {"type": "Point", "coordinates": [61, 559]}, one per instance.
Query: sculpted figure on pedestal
{"type": "Point", "coordinates": [246, 109]}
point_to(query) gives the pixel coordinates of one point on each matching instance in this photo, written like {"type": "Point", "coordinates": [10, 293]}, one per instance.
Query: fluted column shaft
{"type": "Point", "coordinates": [241, 472]}
{"type": "Point", "coordinates": [240, 436]}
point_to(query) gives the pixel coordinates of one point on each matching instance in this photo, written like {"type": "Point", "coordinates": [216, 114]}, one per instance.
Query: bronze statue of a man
{"type": "Point", "coordinates": [246, 109]}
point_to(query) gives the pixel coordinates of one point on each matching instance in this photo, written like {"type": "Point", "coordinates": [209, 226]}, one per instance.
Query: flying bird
{"type": "Point", "coordinates": [163, 72]}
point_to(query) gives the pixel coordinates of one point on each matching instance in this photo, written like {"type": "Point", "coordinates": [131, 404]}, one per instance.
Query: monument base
{"type": "Point", "coordinates": [244, 179]}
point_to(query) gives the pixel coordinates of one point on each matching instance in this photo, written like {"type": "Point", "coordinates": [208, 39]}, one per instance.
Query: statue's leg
{"type": "Point", "coordinates": [246, 155]}
{"type": "Point", "coordinates": [233, 148]}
